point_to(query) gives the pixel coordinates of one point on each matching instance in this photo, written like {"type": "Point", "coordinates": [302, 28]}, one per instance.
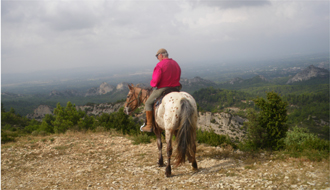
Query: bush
{"type": "Point", "coordinates": [31, 128]}
{"type": "Point", "coordinates": [8, 127]}
{"type": "Point", "coordinates": [213, 139]}
{"type": "Point", "coordinates": [120, 122]}
{"type": "Point", "coordinates": [300, 143]}
{"type": "Point", "coordinates": [66, 118]}
{"type": "Point", "coordinates": [48, 128]}
{"type": "Point", "coordinates": [141, 138]}
{"type": "Point", "coordinates": [87, 123]}
{"type": "Point", "coordinates": [6, 138]}
{"type": "Point", "coordinates": [300, 139]}
{"type": "Point", "coordinates": [267, 128]}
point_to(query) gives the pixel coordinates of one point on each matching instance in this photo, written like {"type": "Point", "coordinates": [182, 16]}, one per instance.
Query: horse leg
{"type": "Point", "coordinates": [169, 153]}
{"type": "Point", "coordinates": [158, 134]}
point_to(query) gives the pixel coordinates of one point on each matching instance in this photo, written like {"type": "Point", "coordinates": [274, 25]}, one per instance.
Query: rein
{"type": "Point", "coordinates": [138, 97]}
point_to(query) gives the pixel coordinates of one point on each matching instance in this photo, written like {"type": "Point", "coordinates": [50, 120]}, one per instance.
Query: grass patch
{"type": "Point", "coordinates": [250, 167]}
{"type": "Point", "coordinates": [141, 138]}
{"type": "Point", "coordinates": [213, 139]}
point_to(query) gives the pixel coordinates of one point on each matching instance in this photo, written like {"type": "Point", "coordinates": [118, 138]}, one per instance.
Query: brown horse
{"type": "Point", "coordinates": [177, 115]}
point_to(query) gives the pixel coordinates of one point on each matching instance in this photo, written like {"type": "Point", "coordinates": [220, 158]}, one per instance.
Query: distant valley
{"type": "Point", "coordinates": [303, 82]}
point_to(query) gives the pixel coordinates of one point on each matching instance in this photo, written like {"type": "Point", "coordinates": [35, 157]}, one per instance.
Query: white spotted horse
{"type": "Point", "coordinates": [177, 115]}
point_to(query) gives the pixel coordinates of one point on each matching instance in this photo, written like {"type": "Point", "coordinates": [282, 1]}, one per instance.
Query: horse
{"type": "Point", "coordinates": [176, 115]}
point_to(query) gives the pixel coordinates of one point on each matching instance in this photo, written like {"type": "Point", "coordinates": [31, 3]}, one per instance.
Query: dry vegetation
{"type": "Point", "coordinates": [107, 160]}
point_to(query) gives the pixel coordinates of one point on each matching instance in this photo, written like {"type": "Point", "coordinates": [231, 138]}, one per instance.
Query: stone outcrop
{"type": "Point", "coordinates": [98, 109]}
{"type": "Point", "coordinates": [121, 86]}
{"type": "Point", "coordinates": [93, 109]}
{"type": "Point", "coordinates": [40, 112]}
{"type": "Point", "coordinates": [196, 81]}
{"type": "Point", "coordinates": [308, 73]}
{"type": "Point", "coordinates": [102, 89]}
{"type": "Point", "coordinates": [222, 124]}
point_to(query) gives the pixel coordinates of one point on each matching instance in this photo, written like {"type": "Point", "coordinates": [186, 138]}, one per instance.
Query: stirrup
{"type": "Point", "coordinates": [142, 127]}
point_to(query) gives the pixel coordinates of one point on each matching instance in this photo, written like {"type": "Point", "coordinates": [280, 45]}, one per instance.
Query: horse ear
{"type": "Point", "coordinates": [129, 86]}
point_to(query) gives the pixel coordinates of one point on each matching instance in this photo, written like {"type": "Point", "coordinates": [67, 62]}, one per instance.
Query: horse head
{"type": "Point", "coordinates": [132, 100]}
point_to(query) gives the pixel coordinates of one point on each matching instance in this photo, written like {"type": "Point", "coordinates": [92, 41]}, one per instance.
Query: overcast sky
{"type": "Point", "coordinates": [54, 34]}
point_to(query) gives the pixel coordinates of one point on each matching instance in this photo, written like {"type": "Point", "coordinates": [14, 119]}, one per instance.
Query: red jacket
{"type": "Point", "coordinates": [167, 73]}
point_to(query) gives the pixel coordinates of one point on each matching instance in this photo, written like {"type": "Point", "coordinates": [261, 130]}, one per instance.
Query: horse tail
{"type": "Point", "coordinates": [186, 135]}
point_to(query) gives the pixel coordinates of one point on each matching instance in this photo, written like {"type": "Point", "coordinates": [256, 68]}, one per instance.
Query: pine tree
{"type": "Point", "coordinates": [268, 128]}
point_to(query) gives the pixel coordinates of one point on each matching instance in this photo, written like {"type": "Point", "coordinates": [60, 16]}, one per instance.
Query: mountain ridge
{"type": "Point", "coordinates": [309, 73]}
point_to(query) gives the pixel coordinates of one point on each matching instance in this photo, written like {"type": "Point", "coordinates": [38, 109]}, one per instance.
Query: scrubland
{"type": "Point", "coordinates": [110, 160]}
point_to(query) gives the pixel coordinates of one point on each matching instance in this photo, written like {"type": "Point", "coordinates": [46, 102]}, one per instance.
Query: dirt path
{"type": "Point", "coordinates": [104, 161]}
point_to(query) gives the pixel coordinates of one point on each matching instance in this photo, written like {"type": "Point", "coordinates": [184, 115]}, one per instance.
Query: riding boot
{"type": "Point", "coordinates": [149, 126]}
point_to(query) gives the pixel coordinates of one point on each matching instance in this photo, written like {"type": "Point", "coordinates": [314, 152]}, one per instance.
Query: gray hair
{"type": "Point", "coordinates": [165, 54]}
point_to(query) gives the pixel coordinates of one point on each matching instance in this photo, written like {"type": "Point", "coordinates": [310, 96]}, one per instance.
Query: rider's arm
{"type": "Point", "coordinates": [156, 76]}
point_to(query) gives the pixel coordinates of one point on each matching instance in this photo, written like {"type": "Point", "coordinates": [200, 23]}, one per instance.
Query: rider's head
{"type": "Point", "coordinates": [161, 54]}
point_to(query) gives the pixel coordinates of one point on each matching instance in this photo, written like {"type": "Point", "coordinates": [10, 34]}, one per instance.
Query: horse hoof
{"type": "Point", "coordinates": [160, 162]}
{"type": "Point", "coordinates": [168, 172]}
{"type": "Point", "coordinates": [194, 165]}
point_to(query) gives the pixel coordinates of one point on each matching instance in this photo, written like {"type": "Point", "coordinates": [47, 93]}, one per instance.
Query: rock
{"type": "Point", "coordinates": [98, 109]}
{"type": "Point", "coordinates": [196, 81]}
{"type": "Point", "coordinates": [222, 124]}
{"type": "Point", "coordinates": [311, 183]}
{"type": "Point", "coordinates": [308, 73]}
{"type": "Point", "coordinates": [121, 86]}
{"type": "Point", "coordinates": [104, 88]}
{"type": "Point", "coordinates": [40, 112]}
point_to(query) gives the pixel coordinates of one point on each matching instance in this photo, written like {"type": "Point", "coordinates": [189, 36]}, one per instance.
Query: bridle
{"type": "Point", "coordinates": [138, 98]}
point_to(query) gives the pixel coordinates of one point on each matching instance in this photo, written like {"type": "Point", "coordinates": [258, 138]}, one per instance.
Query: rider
{"type": "Point", "coordinates": [166, 74]}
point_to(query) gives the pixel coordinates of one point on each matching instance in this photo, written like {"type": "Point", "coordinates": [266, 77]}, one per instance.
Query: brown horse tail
{"type": "Point", "coordinates": [186, 135]}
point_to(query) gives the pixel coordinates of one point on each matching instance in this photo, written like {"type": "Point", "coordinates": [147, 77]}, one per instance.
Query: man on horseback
{"type": "Point", "coordinates": [166, 75]}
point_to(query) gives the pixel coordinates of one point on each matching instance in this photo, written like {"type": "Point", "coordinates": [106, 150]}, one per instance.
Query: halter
{"type": "Point", "coordinates": [138, 98]}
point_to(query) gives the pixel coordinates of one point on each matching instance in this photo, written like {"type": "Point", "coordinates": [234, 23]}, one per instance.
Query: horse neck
{"type": "Point", "coordinates": [144, 96]}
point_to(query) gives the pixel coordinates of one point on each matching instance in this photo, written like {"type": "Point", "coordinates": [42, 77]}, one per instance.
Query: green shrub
{"type": "Point", "coordinates": [5, 137]}
{"type": "Point", "coordinates": [300, 139]}
{"type": "Point", "coordinates": [213, 139]}
{"type": "Point", "coordinates": [141, 138]}
{"type": "Point", "coordinates": [86, 123]}
{"type": "Point", "coordinates": [31, 128]}
{"type": "Point", "coordinates": [301, 143]}
{"type": "Point", "coordinates": [120, 122]}
{"type": "Point", "coordinates": [8, 127]}
{"type": "Point", "coordinates": [267, 128]}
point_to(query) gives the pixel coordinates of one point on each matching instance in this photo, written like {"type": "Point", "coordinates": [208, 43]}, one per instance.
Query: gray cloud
{"type": "Point", "coordinates": [39, 35]}
{"type": "Point", "coordinates": [225, 4]}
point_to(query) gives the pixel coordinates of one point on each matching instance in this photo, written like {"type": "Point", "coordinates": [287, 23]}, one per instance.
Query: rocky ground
{"type": "Point", "coordinates": [109, 161]}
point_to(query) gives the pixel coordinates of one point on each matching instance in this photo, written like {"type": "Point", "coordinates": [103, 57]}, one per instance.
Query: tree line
{"type": "Point", "coordinates": [267, 129]}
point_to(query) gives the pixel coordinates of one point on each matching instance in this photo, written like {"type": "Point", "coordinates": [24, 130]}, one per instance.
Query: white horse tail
{"type": "Point", "coordinates": [186, 135]}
